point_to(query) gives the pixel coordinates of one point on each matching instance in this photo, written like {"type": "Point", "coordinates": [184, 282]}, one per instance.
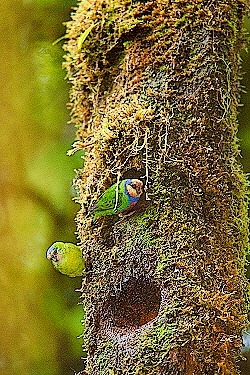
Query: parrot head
{"type": "Point", "coordinates": [54, 253]}
{"type": "Point", "coordinates": [134, 187]}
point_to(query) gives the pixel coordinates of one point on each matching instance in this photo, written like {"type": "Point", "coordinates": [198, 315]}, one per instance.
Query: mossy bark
{"type": "Point", "coordinates": [155, 89]}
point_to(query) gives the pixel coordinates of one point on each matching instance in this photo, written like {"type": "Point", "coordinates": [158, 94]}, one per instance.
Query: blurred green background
{"type": "Point", "coordinates": [40, 318]}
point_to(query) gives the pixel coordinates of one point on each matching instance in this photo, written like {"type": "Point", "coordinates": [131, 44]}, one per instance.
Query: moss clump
{"type": "Point", "coordinates": [155, 89]}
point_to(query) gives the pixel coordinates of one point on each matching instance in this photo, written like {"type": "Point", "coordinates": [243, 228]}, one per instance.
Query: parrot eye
{"type": "Point", "coordinates": [54, 256]}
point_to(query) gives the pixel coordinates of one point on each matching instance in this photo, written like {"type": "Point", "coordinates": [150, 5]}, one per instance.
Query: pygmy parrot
{"type": "Point", "coordinates": [66, 258]}
{"type": "Point", "coordinates": [119, 199]}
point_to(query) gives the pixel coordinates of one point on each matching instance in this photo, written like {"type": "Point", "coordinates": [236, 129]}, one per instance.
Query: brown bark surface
{"type": "Point", "coordinates": [155, 87]}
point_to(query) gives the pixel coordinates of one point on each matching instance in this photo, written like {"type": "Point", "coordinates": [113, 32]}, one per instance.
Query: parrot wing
{"type": "Point", "coordinates": [110, 200]}
{"type": "Point", "coordinates": [105, 203]}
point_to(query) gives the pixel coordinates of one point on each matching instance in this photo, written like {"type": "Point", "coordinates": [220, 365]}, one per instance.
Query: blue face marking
{"type": "Point", "coordinates": [128, 181]}
{"type": "Point", "coordinates": [50, 249]}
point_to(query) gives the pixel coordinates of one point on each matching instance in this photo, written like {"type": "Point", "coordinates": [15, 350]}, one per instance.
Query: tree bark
{"type": "Point", "coordinates": [155, 90]}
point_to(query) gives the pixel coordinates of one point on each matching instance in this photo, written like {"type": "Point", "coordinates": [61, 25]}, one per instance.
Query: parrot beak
{"type": "Point", "coordinates": [139, 187]}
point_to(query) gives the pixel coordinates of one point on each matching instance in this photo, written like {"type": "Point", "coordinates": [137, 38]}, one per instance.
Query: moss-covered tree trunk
{"type": "Point", "coordinates": [155, 87]}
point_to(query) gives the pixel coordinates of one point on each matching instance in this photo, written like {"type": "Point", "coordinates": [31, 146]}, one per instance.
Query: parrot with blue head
{"type": "Point", "coordinates": [66, 258]}
{"type": "Point", "coordinates": [119, 198]}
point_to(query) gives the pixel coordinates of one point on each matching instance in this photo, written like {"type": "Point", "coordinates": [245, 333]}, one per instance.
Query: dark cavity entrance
{"type": "Point", "coordinates": [136, 303]}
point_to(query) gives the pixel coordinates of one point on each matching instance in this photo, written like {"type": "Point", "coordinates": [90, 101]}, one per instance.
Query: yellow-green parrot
{"type": "Point", "coordinates": [66, 258]}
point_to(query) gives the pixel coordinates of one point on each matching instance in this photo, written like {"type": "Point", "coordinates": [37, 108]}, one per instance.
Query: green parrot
{"type": "Point", "coordinates": [121, 199]}
{"type": "Point", "coordinates": [66, 258]}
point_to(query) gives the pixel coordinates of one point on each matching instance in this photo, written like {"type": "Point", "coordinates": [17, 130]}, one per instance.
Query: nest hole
{"type": "Point", "coordinates": [136, 303]}
{"type": "Point", "coordinates": [135, 173]}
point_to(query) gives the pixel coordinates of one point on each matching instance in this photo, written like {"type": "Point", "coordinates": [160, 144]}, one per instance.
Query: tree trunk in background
{"type": "Point", "coordinates": [155, 87]}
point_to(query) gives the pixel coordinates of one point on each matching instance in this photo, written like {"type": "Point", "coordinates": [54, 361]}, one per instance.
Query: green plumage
{"type": "Point", "coordinates": [66, 258]}
{"type": "Point", "coordinates": [112, 201]}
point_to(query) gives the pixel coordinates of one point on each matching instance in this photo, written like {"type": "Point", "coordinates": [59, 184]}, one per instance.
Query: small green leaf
{"type": "Point", "coordinates": [83, 37]}
{"type": "Point", "coordinates": [58, 40]}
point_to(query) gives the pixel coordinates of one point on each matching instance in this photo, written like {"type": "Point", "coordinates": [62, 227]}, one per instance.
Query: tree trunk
{"type": "Point", "coordinates": [155, 88]}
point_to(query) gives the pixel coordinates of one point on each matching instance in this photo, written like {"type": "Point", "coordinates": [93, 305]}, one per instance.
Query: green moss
{"type": "Point", "coordinates": [102, 360]}
{"type": "Point", "coordinates": [181, 21]}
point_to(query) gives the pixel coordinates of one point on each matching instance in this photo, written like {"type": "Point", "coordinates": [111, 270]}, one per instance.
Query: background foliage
{"type": "Point", "coordinates": [39, 316]}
